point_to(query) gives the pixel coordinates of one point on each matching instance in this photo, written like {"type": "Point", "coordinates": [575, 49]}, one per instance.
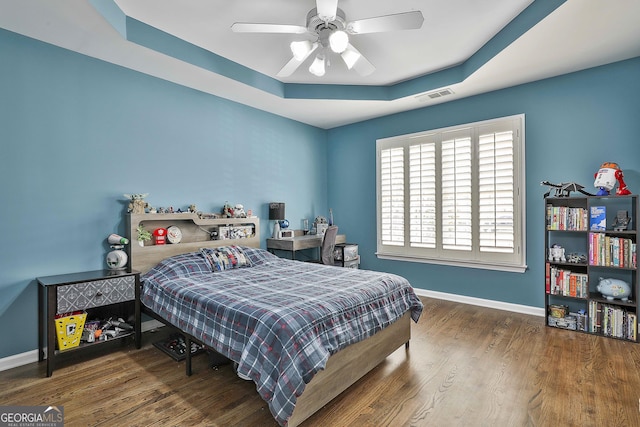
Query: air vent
{"type": "Point", "coordinates": [434, 95]}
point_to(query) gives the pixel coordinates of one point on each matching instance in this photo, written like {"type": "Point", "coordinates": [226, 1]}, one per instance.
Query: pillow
{"type": "Point", "coordinates": [178, 266]}
{"type": "Point", "coordinates": [257, 256]}
{"type": "Point", "coordinates": [225, 258]}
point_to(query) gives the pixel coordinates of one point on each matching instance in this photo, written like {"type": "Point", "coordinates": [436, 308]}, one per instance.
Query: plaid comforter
{"type": "Point", "coordinates": [280, 320]}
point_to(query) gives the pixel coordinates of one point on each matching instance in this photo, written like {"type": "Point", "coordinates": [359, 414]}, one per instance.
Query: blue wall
{"type": "Point", "coordinates": [77, 133]}
{"type": "Point", "coordinates": [573, 124]}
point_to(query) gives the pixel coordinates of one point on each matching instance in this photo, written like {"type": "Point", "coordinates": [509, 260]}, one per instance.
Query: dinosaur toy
{"type": "Point", "coordinates": [564, 189]}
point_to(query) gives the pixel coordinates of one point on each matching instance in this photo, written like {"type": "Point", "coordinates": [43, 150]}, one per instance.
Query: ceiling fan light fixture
{"type": "Point", "coordinates": [338, 40]}
{"type": "Point", "coordinates": [301, 49]}
{"type": "Point", "coordinates": [317, 67]}
{"type": "Point", "coordinates": [350, 57]}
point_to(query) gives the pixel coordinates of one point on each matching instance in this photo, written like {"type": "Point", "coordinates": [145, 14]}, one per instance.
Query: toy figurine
{"type": "Point", "coordinates": [564, 189]}
{"type": "Point", "coordinates": [556, 254]}
{"type": "Point", "coordinates": [621, 222]}
{"type": "Point", "coordinates": [227, 210]}
{"type": "Point", "coordinates": [605, 180]}
{"type": "Point", "coordinates": [238, 211]}
{"type": "Point", "coordinates": [137, 205]}
{"type": "Point", "coordinates": [117, 258]}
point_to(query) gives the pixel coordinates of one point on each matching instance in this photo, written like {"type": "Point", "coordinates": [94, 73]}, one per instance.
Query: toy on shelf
{"type": "Point", "coordinates": [614, 288]}
{"type": "Point", "coordinates": [606, 177]}
{"type": "Point", "coordinates": [622, 221]}
{"type": "Point", "coordinates": [137, 205]}
{"type": "Point", "coordinates": [117, 258]}
{"type": "Point", "coordinates": [564, 189]}
{"type": "Point", "coordinates": [556, 254]}
{"type": "Point", "coordinates": [160, 235]}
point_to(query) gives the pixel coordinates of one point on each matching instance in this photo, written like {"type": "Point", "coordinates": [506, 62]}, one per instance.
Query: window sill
{"type": "Point", "coordinates": [452, 263]}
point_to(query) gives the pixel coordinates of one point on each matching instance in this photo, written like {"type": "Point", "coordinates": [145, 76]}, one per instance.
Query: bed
{"type": "Point", "coordinates": [303, 332]}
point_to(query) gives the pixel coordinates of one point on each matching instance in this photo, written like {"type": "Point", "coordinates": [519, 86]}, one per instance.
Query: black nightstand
{"type": "Point", "coordinates": [89, 291]}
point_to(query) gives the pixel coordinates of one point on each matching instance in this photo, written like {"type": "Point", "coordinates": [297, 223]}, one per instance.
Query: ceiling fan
{"type": "Point", "coordinates": [329, 32]}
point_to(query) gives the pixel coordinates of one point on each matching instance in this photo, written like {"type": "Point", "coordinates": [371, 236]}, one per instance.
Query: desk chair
{"type": "Point", "coordinates": [328, 245]}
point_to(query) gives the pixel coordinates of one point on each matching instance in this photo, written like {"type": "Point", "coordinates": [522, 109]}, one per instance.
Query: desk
{"type": "Point", "coordinates": [299, 243]}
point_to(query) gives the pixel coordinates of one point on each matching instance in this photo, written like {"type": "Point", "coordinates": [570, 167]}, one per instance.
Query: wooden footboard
{"type": "Point", "coordinates": [348, 366]}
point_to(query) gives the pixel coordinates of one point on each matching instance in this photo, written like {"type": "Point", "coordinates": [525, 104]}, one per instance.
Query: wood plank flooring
{"type": "Point", "coordinates": [466, 366]}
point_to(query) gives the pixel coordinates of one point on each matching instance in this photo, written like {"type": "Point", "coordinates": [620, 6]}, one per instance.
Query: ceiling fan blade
{"type": "Point", "coordinates": [327, 9]}
{"type": "Point", "coordinates": [400, 21]}
{"type": "Point", "coordinates": [247, 27]}
{"type": "Point", "coordinates": [293, 64]}
{"type": "Point", "coordinates": [356, 61]}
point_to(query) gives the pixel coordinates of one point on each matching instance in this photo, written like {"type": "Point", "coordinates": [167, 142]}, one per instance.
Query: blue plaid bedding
{"type": "Point", "coordinates": [280, 320]}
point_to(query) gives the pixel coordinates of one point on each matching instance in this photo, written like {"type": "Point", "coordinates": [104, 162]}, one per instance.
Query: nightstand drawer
{"type": "Point", "coordinates": [81, 296]}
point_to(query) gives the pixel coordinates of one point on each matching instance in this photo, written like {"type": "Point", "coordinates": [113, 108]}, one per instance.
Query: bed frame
{"type": "Point", "coordinates": [343, 368]}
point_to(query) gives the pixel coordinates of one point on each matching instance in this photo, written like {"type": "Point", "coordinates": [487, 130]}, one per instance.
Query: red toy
{"type": "Point", "coordinates": [160, 235]}
{"type": "Point", "coordinates": [606, 177]}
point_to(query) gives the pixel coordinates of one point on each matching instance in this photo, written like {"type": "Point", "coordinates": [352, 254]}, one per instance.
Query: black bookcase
{"type": "Point", "coordinates": [597, 236]}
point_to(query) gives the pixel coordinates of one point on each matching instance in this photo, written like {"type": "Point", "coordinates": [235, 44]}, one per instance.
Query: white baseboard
{"type": "Point", "coordinates": [32, 356]}
{"type": "Point", "coordinates": [18, 360]}
{"type": "Point", "coordinates": [499, 305]}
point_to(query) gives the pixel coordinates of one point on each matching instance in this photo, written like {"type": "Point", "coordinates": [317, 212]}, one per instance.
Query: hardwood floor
{"type": "Point", "coordinates": [467, 366]}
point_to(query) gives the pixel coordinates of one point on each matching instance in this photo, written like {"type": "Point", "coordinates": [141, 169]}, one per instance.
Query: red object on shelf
{"type": "Point", "coordinates": [160, 235]}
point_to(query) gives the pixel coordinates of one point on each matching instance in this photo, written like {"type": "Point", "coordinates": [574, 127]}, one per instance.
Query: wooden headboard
{"type": "Point", "coordinates": [196, 233]}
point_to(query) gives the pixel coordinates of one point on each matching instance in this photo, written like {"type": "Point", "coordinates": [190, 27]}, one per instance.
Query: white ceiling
{"type": "Point", "coordinates": [577, 35]}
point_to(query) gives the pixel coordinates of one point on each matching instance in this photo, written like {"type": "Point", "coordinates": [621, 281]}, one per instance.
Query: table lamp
{"type": "Point", "coordinates": [276, 213]}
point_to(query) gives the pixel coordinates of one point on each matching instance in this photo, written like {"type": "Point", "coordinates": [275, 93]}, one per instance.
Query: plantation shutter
{"type": "Point", "coordinates": [422, 195]}
{"type": "Point", "coordinates": [392, 196]}
{"type": "Point", "coordinates": [457, 212]}
{"type": "Point", "coordinates": [496, 192]}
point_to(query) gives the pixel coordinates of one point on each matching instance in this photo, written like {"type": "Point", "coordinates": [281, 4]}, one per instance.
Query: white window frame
{"type": "Point", "coordinates": [397, 214]}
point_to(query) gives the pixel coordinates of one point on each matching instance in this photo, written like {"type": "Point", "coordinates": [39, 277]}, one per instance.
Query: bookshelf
{"type": "Point", "coordinates": [594, 238]}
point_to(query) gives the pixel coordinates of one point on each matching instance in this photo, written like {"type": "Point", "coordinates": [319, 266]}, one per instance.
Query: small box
{"type": "Point", "coordinates": [345, 252]}
{"type": "Point", "coordinates": [558, 311]}
{"type": "Point", "coordinates": [567, 322]}
{"type": "Point", "coordinates": [69, 330]}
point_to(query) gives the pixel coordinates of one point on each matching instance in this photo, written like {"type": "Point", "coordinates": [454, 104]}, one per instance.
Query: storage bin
{"type": "Point", "coordinates": [345, 252]}
{"type": "Point", "coordinates": [567, 322]}
{"type": "Point", "coordinates": [69, 330]}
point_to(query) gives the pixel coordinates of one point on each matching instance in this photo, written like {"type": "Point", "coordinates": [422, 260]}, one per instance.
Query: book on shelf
{"type": "Point", "coordinates": [567, 283]}
{"type": "Point", "coordinates": [612, 321]}
{"type": "Point", "coordinates": [611, 251]}
{"type": "Point", "coordinates": [566, 218]}
{"type": "Point", "coordinates": [598, 218]}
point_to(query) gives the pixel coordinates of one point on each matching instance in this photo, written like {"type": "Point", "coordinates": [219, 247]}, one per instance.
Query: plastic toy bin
{"type": "Point", "coordinates": [69, 329]}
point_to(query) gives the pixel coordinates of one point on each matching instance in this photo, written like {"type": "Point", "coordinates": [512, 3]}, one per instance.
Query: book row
{"type": "Point", "coordinates": [566, 283]}
{"type": "Point", "coordinates": [567, 218]}
{"type": "Point", "coordinates": [610, 251]}
{"type": "Point", "coordinates": [612, 321]}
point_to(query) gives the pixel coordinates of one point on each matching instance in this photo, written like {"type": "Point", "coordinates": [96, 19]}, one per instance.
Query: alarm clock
{"type": "Point", "coordinates": [285, 234]}
{"type": "Point", "coordinates": [174, 234]}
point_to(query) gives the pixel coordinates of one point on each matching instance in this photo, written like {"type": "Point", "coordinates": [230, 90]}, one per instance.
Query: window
{"type": "Point", "coordinates": [454, 196]}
